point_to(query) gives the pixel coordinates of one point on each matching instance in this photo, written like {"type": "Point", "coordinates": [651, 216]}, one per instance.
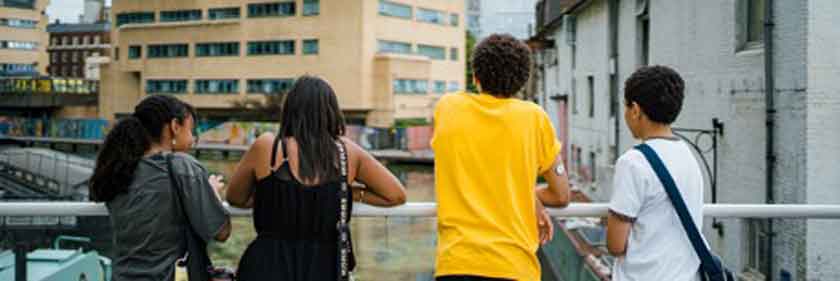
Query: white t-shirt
{"type": "Point", "coordinates": [658, 247]}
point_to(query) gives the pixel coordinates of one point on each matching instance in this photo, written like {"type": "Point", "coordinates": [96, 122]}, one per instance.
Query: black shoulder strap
{"type": "Point", "coordinates": [277, 140]}
{"type": "Point", "coordinates": [344, 246]}
{"type": "Point", "coordinates": [694, 235]}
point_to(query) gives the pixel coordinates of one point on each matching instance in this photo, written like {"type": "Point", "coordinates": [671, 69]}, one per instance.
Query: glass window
{"type": "Point", "coordinates": [227, 86]}
{"type": "Point", "coordinates": [285, 47]}
{"type": "Point", "coordinates": [279, 9]}
{"type": "Point", "coordinates": [269, 86]}
{"type": "Point", "coordinates": [223, 13]}
{"type": "Point", "coordinates": [454, 19]}
{"type": "Point", "coordinates": [22, 4]}
{"type": "Point", "coordinates": [454, 86]}
{"type": "Point", "coordinates": [453, 54]}
{"type": "Point", "coordinates": [86, 40]}
{"type": "Point", "coordinates": [391, 9]}
{"type": "Point", "coordinates": [19, 23]}
{"type": "Point", "coordinates": [394, 47]}
{"type": "Point", "coordinates": [19, 45]}
{"type": "Point", "coordinates": [433, 52]}
{"type": "Point", "coordinates": [75, 40]}
{"type": "Point", "coordinates": [180, 15]}
{"type": "Point", "coordinates": [134, 52]}
{"type": "Point", "coordinates": [430, 16]}
{"type": "Point", "coordinates": [310, 47]}
{"type": "Point", "coordinates": [311, 7]}
{"type": "Point", "coordinates": [755, 21]}
{"type": "Point", "coordinates": [16, 69]}
{"type": "Point", "coordinates": [217, 49]}
{"type": "Point", "coordinates": [167, 51]}
{"type": "Point", "coordinates": [591, 83]}
{"type": "Point", "coordinates": [440, 87]}
{"type": "Point", "coordinates": [138, 17]}
{"type": "Point", "coordinates": [410, 86]}
{"type": "Point", "coordinates": [166, 86]}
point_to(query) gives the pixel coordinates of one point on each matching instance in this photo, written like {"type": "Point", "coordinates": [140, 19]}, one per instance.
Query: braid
{"type": "Point", "coordinates": [659, 91]}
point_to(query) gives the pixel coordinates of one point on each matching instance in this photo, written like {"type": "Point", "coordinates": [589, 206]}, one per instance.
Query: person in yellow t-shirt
{"type": "Point", "coordinates": [489, 150]}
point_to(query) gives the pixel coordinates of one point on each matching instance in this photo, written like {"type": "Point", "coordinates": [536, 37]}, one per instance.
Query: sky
{"type": "Point", "coordinates": [67, 11]}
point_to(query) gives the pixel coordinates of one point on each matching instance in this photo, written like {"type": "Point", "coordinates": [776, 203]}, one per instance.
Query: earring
{"type": "Point", "coordinates": [174, 142]}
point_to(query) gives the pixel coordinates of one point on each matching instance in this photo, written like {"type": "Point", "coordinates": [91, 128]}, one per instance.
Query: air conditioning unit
{"type": "Point", "coordinates": [570, 24]}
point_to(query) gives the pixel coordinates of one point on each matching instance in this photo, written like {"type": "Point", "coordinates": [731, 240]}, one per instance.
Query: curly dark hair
{"type": "Point", "coordinates": [502, 64]}
{"type": "Point", "coordinates": [658, 90]}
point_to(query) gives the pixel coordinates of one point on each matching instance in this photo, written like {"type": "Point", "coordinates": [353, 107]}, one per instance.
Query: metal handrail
{"type": "Point", "coordinates": [429, 209]}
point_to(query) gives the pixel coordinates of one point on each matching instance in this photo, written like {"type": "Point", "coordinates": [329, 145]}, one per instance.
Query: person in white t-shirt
{"type": "Point", "coordinates": [643, 229]}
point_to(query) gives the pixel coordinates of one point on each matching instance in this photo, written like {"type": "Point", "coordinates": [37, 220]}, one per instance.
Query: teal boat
{"type": "Point", "coordinates": [59, 264]}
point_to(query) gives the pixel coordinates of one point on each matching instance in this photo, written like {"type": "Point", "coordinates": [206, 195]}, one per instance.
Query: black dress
{"type": "Point", "coordinates": [297, 238]}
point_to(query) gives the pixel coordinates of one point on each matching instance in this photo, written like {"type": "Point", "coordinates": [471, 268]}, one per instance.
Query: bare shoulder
{"type": "Point", "coordinates": [263, 142]}
{"type": "Point", "coordinates": [354, 151]}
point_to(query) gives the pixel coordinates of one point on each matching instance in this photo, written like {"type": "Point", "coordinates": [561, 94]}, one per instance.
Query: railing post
{"type": "Point", "coordinates": [20, 261]}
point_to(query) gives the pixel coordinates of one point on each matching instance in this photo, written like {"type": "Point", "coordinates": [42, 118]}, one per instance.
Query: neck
{"type": "Point", "coordinates": [657, 131]}
{"type": "Point", "coordinates": [156, 148]}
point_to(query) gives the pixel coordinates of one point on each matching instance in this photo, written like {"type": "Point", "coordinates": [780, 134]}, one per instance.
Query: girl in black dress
{"type": "Point", "coordinates": [293, 183]}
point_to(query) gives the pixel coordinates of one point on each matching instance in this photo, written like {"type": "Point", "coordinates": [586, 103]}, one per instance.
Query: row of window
{"type": "Point", "coordinates": [414, 86]}
{"type": "Point", "coordinates": [19, 45]}
{"type": "Point", "coordinates": [219, 49]}
{"type": "Point", "coordinates": [66, 71]}
{"type": "Point", "coordinates": [218, 86]}
{"type": "Point", "coordinates": [18, 23]}
{"type": "Point", "coordinates": [71, 56]}
{"type": "Point", "coordinates": [393, 9]}
{"type": "Point", "coordinates": [16, 69]}
{"type": "Point", "coordinates": [22, 4]}
{"type": "Point", "coordinates": [69, 40]}
{"type": "Point", "coordinates": [256, 10]}
{"type": "Point", "coordinates": [433, 52]}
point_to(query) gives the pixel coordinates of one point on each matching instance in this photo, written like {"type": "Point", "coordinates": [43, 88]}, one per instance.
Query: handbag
{"type": "Point", "coordinates": [196, 260]}
{"type": "Point", "coordinates": [345, 248]}
{"type": "Point", "coordinates": [711, 267]}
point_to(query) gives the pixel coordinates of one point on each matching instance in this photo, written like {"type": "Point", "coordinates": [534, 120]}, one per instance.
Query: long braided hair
{"type": "Point", "coordinates": [129, 140]}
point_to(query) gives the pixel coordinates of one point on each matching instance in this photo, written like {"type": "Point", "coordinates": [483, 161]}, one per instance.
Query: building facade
{"type": "Point", "coordinates": [387, 60]}
{"type": "Point", "coordinates": [71, 45]}
{"type": "Point", "coordinates": [485, 17]}
{"type": "Point", "coordinates": [720, 49]}
{"type": "Point", "coordinates": [23, 37]}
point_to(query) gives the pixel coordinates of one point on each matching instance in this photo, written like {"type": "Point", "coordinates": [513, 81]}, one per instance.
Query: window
{"type": "Point", "coordinates": [138, 17]}
{"type": "Point", "coordinates": [75, 57]}
{"type": "Point", "coordinates": [228, 86]}
{"type": "Point", "coordinates": [453, 54]}
{"type": "Point", "coordinates": [440, 87]}
{"type": "Point", "coordinates": [19, 23]}
{"type": "Point", "coordinates": [19, 45]}
{"type": "Point", "coordinates": [97, 39]}
{"type": "Point", "coordinates": [433, 52]}
{"type": "Point", "coordinates": [217, 49]}
{"type": "Point", "coordinates": [166, 86]}
{"type": "Point", "coordinates": [16, 69]}
{"type": "Point", "coordinates": [394, 47]}
{"type": "Point", "coordinates": [116, 53]}
{"type": "Point", "coordinates": [311, 7]}
{"type": "Point", "coordinates": [168, 51]}
{"type": "Point", "coordinates": [280, 9]}
{"type": "Point", "coordinates": [593, 172]}
{"type": "Point", "coordinates": [269, 86]}
{"type": "Point", "coordinates": [644, 40]}
{"type": "Point", "coordinates": [574, 97]}
{"type": "Point", "coordinates": [65, 40]}
{"type": "Point", "coordinates": [473, 23]}
{"type": "Point", "coordinates": [180, 15]}
{"type": "Point", "coordinates": [755, 21]}
{"type": "Point", "coordinates": [90, 40]}
{"type": "Point", "coordinates": [223, 13]}
{"type": "Point", "coordinates": [454, 86]}
{"type": "Point", "coordinates": [134, 52]}
{"type": "Point", "coordinates": [21, 4]}
{"type": "Point", "coordinates": [86, 40]}
{"type": "Point", "coordinates": [65, 57]}
{"type": "Point", "coordinates": [54, 57]}
{"type": "Point", "coordinates": [409, 86]}
{"type": "Point", "coordinates": [591, 83]}
{"type": "Point", "coordinates": [55, 41]}
{"type": "Point", "coordinates": [286, 47]}
{"type": "Point", "coordinates": [430, 16]}
{"type": "Point", "coordinates": [310, 47]}
{"type": "Point", "coordinates": [75, 40]}
{"type": "Point", "coordinates": [474, 5]}
{"type": "Point", "coordinates": [756, 246]}
{"type": "Point", "coordinates": [454, 19]}
{"type": "Point", "coordinates": [391, 9]}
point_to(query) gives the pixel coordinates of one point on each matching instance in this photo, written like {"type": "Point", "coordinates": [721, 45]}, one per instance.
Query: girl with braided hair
{"type": "Point", "coordinates": [132, 177]}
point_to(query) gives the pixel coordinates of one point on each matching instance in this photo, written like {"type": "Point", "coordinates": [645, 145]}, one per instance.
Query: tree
{"type": "Point", "coordinates": [469, 73]}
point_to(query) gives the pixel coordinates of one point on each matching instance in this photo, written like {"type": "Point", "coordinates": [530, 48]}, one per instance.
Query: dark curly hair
{"type": "Point", "coordinates": [658, 90]}
{"type": "Point", "coordinates": [129, 140]}
{"type": "Point", "coordinates": [502, 65]}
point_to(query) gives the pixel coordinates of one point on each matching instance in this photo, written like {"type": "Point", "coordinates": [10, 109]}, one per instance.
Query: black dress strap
{"type": "Point", "coordinates": [277, 140]}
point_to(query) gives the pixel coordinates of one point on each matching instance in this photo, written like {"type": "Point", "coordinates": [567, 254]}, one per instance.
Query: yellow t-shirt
{"type": "Point", "coordinates": [488, 154]}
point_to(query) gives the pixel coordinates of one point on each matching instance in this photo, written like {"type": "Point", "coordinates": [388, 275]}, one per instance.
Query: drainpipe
{"type": "Point", "coordinates": [613, 10]}
{"type": "Point", "coordinates": [770, 92]}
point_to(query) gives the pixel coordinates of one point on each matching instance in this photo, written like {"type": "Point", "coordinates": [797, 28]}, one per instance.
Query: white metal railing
{"type": "Point", "coordinates": [430, 210]}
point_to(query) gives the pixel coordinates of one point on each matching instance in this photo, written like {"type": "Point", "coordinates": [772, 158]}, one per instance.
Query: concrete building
{"type": "Point", "coordinates": [387, 60]}
{"type": "Point", "coordinates": [72, 44]}
{"type": "Point", "coordinates": [485, 17]}
{"type": "Point", "coordinates": [23, 37]}
{"type": "Point", "coordinates": [95, 12]}
{"type": "Point", "coordinates": [720, 48]}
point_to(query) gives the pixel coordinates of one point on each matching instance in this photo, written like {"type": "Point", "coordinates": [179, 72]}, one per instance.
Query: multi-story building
{"type": "Point", "coordinates": [485, 17]}
{"type": "Point", "coordinates": [387, 60]}
{"type": "Point", "coordinates": [779, 149]}
{"type": "Point", "coordinates": [72, 44]}
{"type": "Point", "coordinates": [23, 37]}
